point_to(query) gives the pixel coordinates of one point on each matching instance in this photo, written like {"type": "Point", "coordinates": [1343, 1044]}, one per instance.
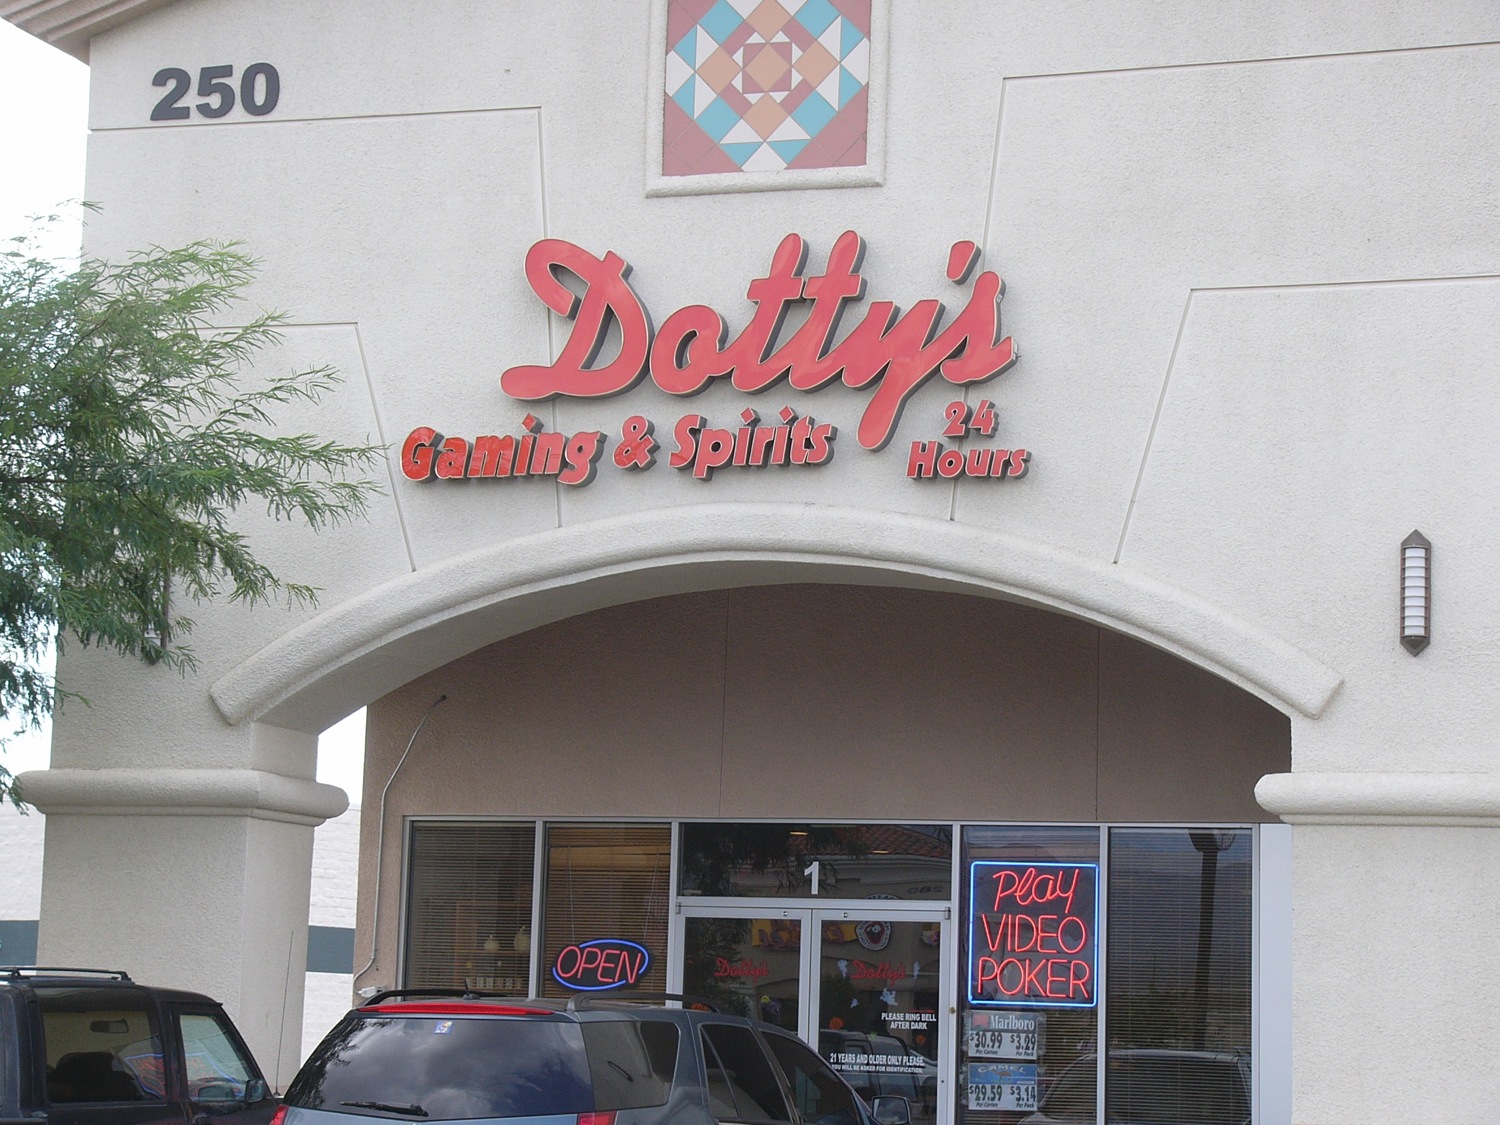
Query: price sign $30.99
{"type": "Point", "coordinates": [1002, 1044]}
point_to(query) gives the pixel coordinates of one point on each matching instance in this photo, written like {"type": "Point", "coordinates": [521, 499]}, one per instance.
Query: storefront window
{"type": "Point", "coordinates": [1061, 930]}
{"type": "Point", "coordinates": [1029, 1005]}
{"type": "Point", "coordinates": [607, 906]}
{"type": "Point", "coordinates": [469, 906]}
{"type": "Point", "coordinates": [1179, 974]}
{"type": "Point", "coordinates": [748, 966]}
{"type": "Point", "coordinates": [899, 861]}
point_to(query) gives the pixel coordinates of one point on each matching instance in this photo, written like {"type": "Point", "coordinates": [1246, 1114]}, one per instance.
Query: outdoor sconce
{"type": "Point", "coordinates": [1416, 592]}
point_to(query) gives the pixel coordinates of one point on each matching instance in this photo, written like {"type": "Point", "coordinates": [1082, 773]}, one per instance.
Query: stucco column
{"type": "Point", "coordinates": [189, 878]}
{"type": "Point", "coordinates": [1394, 891]}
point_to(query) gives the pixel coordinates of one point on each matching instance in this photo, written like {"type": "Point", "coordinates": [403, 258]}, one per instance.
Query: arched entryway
{"type": "Point", "coordinates": [564, 789]}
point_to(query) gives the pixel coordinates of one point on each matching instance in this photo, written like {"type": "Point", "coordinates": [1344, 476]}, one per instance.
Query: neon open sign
{"type": "Point", "coordinates": [1033, 930]}
{"type": "Point", "coordinates": [593, 966]}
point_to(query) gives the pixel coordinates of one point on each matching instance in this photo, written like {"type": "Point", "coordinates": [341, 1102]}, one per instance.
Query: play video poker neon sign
{"type": "Point", "coordinates": [889, 353]}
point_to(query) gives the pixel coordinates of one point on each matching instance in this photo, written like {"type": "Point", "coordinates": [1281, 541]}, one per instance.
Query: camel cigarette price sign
{"type": "Point", "coordinates": [1033, 934]}
{"type": "Point", "coordinates": [1008, 1087]}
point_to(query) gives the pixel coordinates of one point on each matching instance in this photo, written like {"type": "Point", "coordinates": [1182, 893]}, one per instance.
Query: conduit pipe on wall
{"type": "Point", "coordinates": [380, 838]}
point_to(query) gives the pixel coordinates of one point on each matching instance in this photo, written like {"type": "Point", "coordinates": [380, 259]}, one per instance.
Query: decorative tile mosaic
{"type": "Point", "coordinates": [765, 85]}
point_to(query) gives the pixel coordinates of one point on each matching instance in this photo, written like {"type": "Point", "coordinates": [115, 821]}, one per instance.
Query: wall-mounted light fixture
{"type": "Point", "coordinates": [1416, 592]}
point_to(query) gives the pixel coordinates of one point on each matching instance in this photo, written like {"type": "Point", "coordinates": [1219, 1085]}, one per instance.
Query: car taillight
{"type": "Point", "coordinates": [597, 1118]}
{"type": "Point", "coordinates": [279, 1117]}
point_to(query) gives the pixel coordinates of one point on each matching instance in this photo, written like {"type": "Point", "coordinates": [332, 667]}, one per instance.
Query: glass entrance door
{"type": "Point", "coordinates": [749, 963]}
{"type": "Point", "coordinates": [861, 983]}
{"type": "Point", "coordinates": [878, 1016]}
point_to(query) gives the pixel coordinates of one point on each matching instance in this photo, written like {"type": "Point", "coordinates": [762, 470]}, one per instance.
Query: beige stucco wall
{"type": "Point", "coordinates": [827, 701]}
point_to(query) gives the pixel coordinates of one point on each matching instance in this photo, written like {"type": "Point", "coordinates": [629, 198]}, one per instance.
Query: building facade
{"type": "Point", "coordinates": [955, 527]}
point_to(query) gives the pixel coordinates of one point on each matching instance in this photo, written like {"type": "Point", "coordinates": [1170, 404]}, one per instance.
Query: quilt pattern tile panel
{"type": "Point", "coordinates": [765, 85]}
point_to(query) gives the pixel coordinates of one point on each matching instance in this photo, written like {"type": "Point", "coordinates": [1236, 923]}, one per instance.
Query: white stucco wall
{"type": "Point", "coordinates": [1251, 255]}
{"type": "Point", "coordinates": [21, 873]}
{"type": "Point", "coordinates": [335, 879]}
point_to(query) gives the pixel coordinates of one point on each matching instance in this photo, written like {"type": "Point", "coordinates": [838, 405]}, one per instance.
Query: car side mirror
{"type": "Point", "coordinates": [891, 1109]}
{"type": "Point", "coordinates": [256, 1090]}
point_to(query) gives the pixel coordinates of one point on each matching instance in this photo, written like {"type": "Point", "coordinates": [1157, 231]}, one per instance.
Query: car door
{"type": "Point", "coordinates": [819, 1095]}
{"type": "Point", "coordinates": [740, 1082]}
{"type": "Point", "coordinates": [216, 1072]}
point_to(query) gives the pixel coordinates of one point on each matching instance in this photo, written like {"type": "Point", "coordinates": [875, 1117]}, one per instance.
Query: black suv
{"type": "Point", "coordinates": [92, 1047]}
{"type": "Point", "coordinates": [431, 1057]}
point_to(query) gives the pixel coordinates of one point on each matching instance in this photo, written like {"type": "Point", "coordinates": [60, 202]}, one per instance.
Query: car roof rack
{"type": "Point", "coordinates": [579, 1002]}
{"type": "Point", "coordinates": [441, 994]}
{"type": "Point", "coordinates": [21, 972]}
{"type": "Point", "coordinates": [587, 1000]}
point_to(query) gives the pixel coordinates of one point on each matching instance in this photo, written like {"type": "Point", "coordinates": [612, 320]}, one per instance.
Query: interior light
{"type": "Point", "coordinates": [1416, 592]}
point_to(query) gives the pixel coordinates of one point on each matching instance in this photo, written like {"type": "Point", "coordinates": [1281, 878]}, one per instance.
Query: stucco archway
{"type": "Point", "coordinates": [364, 647]}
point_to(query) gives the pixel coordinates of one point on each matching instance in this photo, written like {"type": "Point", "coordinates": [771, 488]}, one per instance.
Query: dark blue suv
{"type": "Point", "coordinates": [87, 1047]}
{"type": "Point", "coordinates": [428, 1058]}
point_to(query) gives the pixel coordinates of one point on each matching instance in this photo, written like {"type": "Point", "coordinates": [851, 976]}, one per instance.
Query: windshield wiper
{"type": "Point", "coordinates": [404, 1110]}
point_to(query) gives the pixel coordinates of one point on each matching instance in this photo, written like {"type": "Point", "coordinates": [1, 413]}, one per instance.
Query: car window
{"type": "Point", "coordinates": [742, 1086]}
{"type": "Point", "coordinates": [632, 1063]}
{"type": "Point", "coordinates": [820, 1096]}
{"type": "Point", "coordinates": [217, 1070]}
{"type": "Point", "coordinates": [452, 1068]}
{"type": "Point", "coordinates": [102, 1045]}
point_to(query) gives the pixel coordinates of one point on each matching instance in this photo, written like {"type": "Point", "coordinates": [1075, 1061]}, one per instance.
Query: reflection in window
{"type": "Point", "coordinates": [216, 1071]}
{"type": "Point", "coordinates": [631, 1064]}
{"type": "Point", "coordinates": [1179, 974]}
{"type": "Point", "coordinates": [446, 1068]}
{"type": "Point", "coordinates": [747, 966]}
{"type": "Point", "coordinates": [903, 861]}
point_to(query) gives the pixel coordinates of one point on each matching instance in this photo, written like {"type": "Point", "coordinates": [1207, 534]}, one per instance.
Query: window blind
{"type": "Point", "coordinates": [607, 881]}
{"type": "Point", "coordinates": [469, 891]}
{"type": "Point", "coordinates": [1179, 985]}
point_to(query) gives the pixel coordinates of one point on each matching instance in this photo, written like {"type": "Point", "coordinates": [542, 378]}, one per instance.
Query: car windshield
{"type": "Point", "coordinates": [445, 1068]}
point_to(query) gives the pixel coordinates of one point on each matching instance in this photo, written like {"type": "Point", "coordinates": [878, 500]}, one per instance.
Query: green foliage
{"type": "Point", "coordinates": [127, 441]}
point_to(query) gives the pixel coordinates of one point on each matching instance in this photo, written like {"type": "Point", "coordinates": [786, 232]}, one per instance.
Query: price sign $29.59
{"type": "Point", "coordinates": [1015, 1096]}
{"type": "Point", "coordinates": [259, 90]}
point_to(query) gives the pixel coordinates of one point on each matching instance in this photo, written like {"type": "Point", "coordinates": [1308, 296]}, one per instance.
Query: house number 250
{"type": "Point", "coordinates": [260, 90]}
